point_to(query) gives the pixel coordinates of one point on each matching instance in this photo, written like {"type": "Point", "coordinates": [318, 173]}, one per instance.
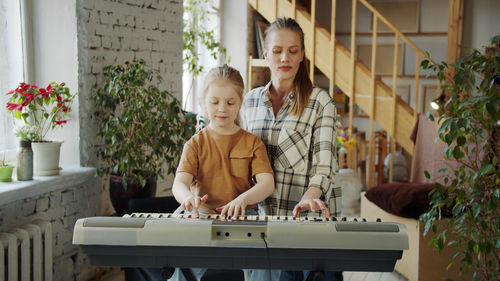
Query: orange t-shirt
{"type": "Point", "coordinates": [224, 165]}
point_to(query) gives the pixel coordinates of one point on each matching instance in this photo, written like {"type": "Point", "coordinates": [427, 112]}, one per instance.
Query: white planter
{"type": "Point", "coordinates": [46, 158]}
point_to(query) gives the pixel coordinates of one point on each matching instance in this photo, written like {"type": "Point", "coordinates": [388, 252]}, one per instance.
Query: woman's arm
{"type": "Point", "coordinates": [260, 191]}
{"type": "Point", "coordinates": [324, 158]}
{"type": "Point", "coordinates": [183, 194]}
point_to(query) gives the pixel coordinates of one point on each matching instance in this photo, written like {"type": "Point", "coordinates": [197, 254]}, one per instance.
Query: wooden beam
{"type": "Point", "coordinates": [455, 23]}
{"type": "Point", "coordinates": [417, 82]}
{"type": "Point", "coordinates": [249, 74]}
{"type": "Point", "coordinates": [332, 48]}
{"type": "Point", "coordinates": [313, 40]}
{"type": "Point", "coordinates": [371, 146]}
{"type": "Point", "coordinates": [353, 65]}
{"type": "Point", "coordinates": [394, 106]}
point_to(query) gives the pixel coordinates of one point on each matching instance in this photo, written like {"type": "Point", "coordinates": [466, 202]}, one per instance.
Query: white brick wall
{"type": "Point", "coordinates": [109, 32]}
{"type": "Point", "coordinates": [114, 31]}
{"type": "Point", "coordinates": [62, 207]}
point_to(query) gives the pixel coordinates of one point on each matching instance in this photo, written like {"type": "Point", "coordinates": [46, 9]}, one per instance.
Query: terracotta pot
{"type": "Point", "coordinates": [120, 197]}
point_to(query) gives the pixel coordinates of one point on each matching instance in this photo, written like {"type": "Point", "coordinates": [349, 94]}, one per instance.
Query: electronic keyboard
{"type": "Point", "coordinates": [247, 242]}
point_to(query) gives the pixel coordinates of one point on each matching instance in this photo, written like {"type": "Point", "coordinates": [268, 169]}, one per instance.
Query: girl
{"type": "Point", "coordinates": [230, 165]}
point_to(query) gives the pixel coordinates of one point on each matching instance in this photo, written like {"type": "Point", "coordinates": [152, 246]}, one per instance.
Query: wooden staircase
{"type": "Point", "coordinates": [344, 70]}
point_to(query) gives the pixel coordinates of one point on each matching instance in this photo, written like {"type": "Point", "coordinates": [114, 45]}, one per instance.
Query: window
{"type": "Point", "coordinates": [11, 70]}
{"type": "Point", "coordinates": [206, 17]}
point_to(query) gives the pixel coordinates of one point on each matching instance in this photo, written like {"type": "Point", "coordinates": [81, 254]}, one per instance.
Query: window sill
{"type": "Point", "coordinates": [19, 190]}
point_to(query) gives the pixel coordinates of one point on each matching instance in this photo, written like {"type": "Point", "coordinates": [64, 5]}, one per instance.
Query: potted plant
{"type": "Point", "coordinates": [42, 109]}
{"type": "Point", "coordinates": [470, 127]}
{"type": "Point", "coordinates": [141, 131]}
{"type": "Point", "coordinates": [5, 171]}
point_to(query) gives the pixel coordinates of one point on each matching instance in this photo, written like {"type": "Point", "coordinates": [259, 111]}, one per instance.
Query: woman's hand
{"type": "Point", "coordinates": [310, 201]}
{"type": "Point", "coordinates": [235, 207]}
{"type": "Point", "coordinates": [193, 203]}
{"type": "Point", "coordinates": [311, 204]}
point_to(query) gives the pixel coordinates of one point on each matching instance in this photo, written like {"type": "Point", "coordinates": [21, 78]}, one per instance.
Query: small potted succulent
{"type": "Point", "coordinates": [5, 171]}
{"type": "Point", "coordinates": [42, 109]}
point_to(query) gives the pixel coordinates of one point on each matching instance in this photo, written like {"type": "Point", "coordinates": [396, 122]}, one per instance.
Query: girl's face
{"type": "Point", "coordinates": [283, 53]}
{"type": "Point", "coordinates": [222, 103]}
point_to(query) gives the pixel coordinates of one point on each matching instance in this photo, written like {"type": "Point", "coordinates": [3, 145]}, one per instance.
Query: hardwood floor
{"type": "Point", "coordinates": [373, 276]}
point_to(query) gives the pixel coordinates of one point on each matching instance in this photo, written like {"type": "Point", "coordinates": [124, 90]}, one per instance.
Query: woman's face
{"type": "Point", "coordinates": [283, 54]}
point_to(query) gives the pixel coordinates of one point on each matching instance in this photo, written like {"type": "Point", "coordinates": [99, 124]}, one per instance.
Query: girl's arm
{"type": "Point", "coordinates": [183, 194]}
{"type": "Point", "coordinates": [260, 191]}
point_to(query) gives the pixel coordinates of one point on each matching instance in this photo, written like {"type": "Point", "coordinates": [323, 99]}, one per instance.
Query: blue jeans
{"type": "Point", "coordinates": [281, 275]}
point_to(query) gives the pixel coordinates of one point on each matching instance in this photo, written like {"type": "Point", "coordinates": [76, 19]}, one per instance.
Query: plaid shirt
{"type": "Point", "coordinates": [301, 149]}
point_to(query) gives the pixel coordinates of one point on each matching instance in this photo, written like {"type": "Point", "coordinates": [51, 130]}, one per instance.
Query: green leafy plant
{"type": "Point", "coordinates": [141, 129]}
{"type": "Point", "coordinates": [470, 127]}
{"type": "Point", "coordinates": [495, 40]}
{"type": "Point", "coordinates": [41, 108]}
{"type": "Point", "coordinates": [196, 14]}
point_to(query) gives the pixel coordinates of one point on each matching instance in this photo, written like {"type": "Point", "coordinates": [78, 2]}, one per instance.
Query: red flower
{"type": "Point", "coordinates": [14, 106]}
{"type": "Point", "coordinates": [35, 99]}
{"type": "Point", "coordinates": [29, 96]}
{"type": "Point", "coordinates": [59, 122]}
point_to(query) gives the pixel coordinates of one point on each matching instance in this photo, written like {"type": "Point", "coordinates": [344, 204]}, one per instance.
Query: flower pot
{"type": "Point", "coordinates": [6, 173]}
{"type": "Point", "coordinates": [46, 158]}
{"type": "Point", "coordinates": [120, 196]}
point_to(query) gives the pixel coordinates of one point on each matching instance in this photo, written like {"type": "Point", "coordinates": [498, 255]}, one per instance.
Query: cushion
{"type": "Point", "coordinates": [408, 200]}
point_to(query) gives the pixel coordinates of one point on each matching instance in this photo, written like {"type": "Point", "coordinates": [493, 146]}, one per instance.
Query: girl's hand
{"type": "Point", "coordinates": [192, 203]}
{"type": "Point", "coordinates": [311, 204]}
{"type": "Point", "coordinates": [235, 207]}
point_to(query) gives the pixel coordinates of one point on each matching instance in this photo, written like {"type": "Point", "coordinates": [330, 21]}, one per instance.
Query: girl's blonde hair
{"type": "Point", "coordinates": [227, 74]}
{"type": "Point", "coordinates": [302, 84]}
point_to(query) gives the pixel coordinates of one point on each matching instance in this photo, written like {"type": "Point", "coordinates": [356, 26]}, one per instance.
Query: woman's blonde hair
{"type": "Point", "coordinates": [228, 74]}
{"type": "Point", "coordinates": [302, 83]}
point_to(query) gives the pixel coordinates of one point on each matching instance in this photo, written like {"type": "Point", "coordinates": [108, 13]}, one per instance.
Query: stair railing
{"type": "Point", "coordinates": [377, 16]}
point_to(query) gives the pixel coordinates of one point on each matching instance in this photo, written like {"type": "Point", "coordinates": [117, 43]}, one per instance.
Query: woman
{"type": "Point", "coordinates": [296, 122]}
